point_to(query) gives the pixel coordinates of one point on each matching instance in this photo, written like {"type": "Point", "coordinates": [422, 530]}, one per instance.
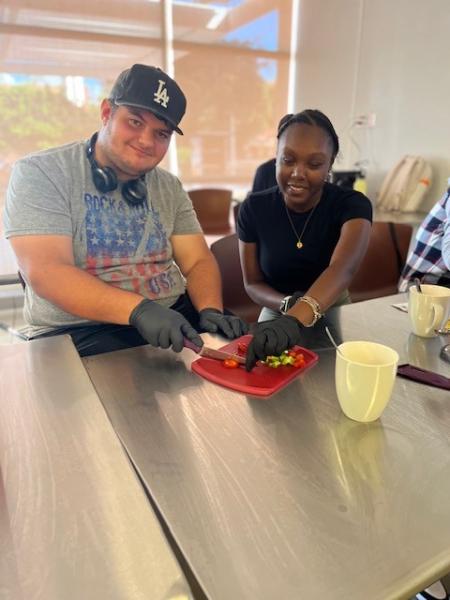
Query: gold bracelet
{"type": "Point", "coordinates": [315, 307]}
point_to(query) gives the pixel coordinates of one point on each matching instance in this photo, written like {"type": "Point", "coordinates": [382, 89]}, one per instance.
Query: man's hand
{"type": "Point", "coordinates": [214, 321]}
{"type": "Point", "coordinates": [163, 327]}
{"type": "Point", "coordinates": [272, 338]}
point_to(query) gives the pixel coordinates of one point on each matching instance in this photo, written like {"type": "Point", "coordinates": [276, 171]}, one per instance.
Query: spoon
{"type": "Point", "coordinates": [445, 353]}
{"type": "Point", "coordinates": [332, 340]}
{"type": "Point", "coordinates": [417, 284]}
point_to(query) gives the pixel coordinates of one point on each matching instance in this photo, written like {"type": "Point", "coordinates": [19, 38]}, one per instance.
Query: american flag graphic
{"type": "Point", "coordinates": [127, 246]}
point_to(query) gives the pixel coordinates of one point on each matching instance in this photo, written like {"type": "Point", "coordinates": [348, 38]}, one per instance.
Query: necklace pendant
{"type": "Point", "coordinates": [299, 245]}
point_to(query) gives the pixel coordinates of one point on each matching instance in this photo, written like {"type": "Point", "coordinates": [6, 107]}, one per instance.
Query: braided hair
{"type": "Point", "coordinates": [311, 117]}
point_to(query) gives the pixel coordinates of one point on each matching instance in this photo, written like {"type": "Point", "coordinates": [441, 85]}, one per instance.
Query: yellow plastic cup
{"type": "Point", "coordinates": [365, 375]}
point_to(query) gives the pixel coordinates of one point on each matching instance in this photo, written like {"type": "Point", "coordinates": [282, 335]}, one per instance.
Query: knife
{"type": "Point", "coordinates": [424, 376]}
{"type": "Point", "coordinates": [207, 352]}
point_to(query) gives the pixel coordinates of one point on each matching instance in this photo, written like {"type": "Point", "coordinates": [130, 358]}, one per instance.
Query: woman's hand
{"type": "Point", "coordinates": [272, 338]}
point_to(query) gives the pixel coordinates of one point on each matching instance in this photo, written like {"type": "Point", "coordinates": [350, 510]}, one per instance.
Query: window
{"type": "Point", "coordinates": [231, 57]}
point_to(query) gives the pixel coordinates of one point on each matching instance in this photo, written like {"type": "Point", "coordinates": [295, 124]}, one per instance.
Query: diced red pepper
{"type": "Point", "coordinates": [230, 363]}
{"type": "Point", "coordinates": [299, 363]}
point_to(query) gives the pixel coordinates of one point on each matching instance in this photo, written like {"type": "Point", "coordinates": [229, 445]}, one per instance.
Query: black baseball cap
{"type": "Point", "coordinates": [150, 88]}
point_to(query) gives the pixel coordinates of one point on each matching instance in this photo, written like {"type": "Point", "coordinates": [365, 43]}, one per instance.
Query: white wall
{"type": "Point", "coordinates": [388, 57]}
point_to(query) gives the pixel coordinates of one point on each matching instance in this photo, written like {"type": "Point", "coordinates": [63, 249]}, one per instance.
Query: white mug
{"type": "Point", "coordinates": [365, 375]}
{"type": "Point", "coordinates": [428, 310]}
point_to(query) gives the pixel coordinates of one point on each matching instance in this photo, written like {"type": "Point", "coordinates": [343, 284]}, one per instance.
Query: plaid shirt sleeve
{"type": "Point", "coordinates": [430, 257]}
{"type": "Point", "coordinates": [446, 237]}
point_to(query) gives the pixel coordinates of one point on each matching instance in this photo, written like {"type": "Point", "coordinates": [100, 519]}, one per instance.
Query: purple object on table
{"type": "Point", "coordinates": [423, 376]}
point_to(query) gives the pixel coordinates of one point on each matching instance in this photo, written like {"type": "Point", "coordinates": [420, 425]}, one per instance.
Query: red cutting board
{"type": "Point", "coordinates": [260, 381]}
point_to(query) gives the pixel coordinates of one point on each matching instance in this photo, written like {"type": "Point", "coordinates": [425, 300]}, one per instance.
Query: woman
{"type": "Point", "coordinates": [302, 240]}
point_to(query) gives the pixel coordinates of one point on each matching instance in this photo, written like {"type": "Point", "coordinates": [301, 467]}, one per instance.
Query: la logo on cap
{"type": "Point", "coordinates": [161, 96]}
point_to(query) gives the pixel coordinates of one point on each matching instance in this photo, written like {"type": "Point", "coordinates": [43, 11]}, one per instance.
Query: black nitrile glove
{"type": "Point", "coordinates": [214, 321]}
{"type": "Point", "coordinates": [163, 327]}
{"type": "Point", "coordinates": [272, 338]}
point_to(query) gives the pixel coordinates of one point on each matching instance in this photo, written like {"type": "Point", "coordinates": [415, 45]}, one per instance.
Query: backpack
{"type": "Point", "coordinates": [405, 185]}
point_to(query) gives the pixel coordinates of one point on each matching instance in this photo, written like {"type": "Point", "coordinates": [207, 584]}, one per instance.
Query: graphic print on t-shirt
{"type": "Point", "coordinates": [127, 246]}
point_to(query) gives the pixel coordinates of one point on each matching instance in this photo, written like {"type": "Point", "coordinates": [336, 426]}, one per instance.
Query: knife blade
{"type": "Point", "coordinates": [207, 352]}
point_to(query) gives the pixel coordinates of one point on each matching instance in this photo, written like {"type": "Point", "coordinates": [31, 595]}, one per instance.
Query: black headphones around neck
{"type": "Point", "coordinates": [134, 192]}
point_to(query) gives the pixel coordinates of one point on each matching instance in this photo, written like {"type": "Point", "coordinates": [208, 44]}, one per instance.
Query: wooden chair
{"type": "Point", "coordinates": [382, 265]}
{"type": "Point", "coordinates": [213, 209]}
{"type": "Point", "coordinates": [235, 298]}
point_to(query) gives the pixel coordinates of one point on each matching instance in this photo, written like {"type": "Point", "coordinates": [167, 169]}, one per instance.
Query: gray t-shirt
{"type": "Point", "coordinates": [52, 193]}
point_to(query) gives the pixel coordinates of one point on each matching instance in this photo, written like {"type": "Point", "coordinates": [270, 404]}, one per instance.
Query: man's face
{"type": "Point", "coordinates": [132, 141]}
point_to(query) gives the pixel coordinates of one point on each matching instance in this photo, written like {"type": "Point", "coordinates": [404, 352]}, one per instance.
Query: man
{"type": "Point", "coordinates": [429, 259]}
{"type": "Point", "coordinates": [108, 244]}
{"type": "Point", "coordinates": [264, 177]}
{"type": "Point", "coordinates": [265, 174]}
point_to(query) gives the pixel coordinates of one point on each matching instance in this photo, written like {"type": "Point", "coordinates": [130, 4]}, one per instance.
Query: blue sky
{"type": "Point", "coordinates": [262, 33]}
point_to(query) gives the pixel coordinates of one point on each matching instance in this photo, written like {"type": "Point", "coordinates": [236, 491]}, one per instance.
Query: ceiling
{"type": "Point", "coordinates": [99, 38]}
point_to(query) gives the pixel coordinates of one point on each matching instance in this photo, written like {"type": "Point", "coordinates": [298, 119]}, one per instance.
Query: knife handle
{"type": "Point", "coordinates": [188, 344]}
{"type": "Point", "coordinates": [424, 376]}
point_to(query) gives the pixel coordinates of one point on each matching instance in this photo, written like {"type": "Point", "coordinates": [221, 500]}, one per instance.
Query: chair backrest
{"type": "Point", "coordinates": [213, 209]}
{"type": "Point", "coordinates": [235, 298]}
{"type": "Point", "coordinates": [382, 265]}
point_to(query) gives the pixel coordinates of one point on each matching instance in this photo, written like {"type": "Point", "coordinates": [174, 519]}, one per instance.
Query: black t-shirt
{"type": "Point", "coordinates": [263, 220]}
{"type": "Point", "coordinates": [264, 176]}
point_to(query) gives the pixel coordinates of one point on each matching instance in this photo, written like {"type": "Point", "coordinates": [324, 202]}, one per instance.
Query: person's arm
{"type": "Point", "coordinates": [336, 278]}
{"type": "Point", "coordinates": [198, 265]}
{"type": "Point", "coordinates": [346, 258]}
{"type": "Point", "coordinates": [47, 264]}
{"type": "Point", "coordinates": [259, 291]}
{"type": "Point", "coordinates": [203, 283]}
{"type": "Point", "coordinates": [273, 337]}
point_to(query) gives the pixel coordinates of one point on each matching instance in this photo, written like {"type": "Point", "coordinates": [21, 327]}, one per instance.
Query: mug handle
{"type": "Point", "coordinates": [438, 315]}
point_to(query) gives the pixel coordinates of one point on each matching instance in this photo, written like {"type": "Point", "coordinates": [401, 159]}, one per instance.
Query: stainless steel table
{"type": "Point", "coordinates": [75, 523]}
{"type": "Point", "coordinates": [286, 498]}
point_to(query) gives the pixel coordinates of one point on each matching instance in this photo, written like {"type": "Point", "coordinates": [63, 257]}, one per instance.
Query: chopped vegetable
{"type": "Point", "coordinates": [290, 357]}
{"type": "Point", "coordinates": [230, 363]}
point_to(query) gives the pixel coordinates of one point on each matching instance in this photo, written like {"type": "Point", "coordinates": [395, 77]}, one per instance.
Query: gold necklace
{"type": "Point", "coordinates": [299, 243]}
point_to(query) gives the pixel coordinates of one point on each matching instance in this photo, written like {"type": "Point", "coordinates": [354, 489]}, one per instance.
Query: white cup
{"type": "Point", "coordinates": [365, 375]}
{"type": "Point", "coordinates": [428, 310]}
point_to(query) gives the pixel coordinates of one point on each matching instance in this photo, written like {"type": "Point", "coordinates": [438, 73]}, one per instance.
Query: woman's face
{"type": "Point", "coordinates": [304, 158]}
